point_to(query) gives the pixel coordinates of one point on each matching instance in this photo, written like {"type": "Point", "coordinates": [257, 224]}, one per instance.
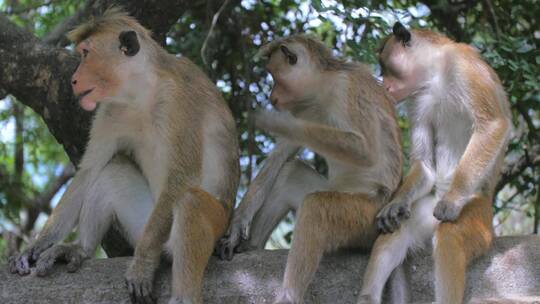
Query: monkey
{"type": "Point", "coordinates": [460, 125]}
{"type": "Point", "coordinates": [174, 190]}
{"type": "Point", "coordinates": [338, 110]}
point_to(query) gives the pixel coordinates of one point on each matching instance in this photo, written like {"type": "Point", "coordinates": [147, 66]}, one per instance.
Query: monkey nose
{"type": "Point", "coordinates": [73, 81]}
{"type": "Point", "coordinates": [273, 101]}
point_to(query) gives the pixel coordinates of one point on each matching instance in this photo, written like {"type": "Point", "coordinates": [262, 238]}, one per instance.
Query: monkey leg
{"type": "Point", "coordinates": [458, 243]}
{"type": "Point", "coordinates": [120, 191]}
{"type": "Point", "coordinates": [390, 250]}
{"type": "Point", "coordinates": [199, 221]}
{"type": "Point", "coordinates": [294, 182]}
{"type": "Point", "coordinates": [326, 221]}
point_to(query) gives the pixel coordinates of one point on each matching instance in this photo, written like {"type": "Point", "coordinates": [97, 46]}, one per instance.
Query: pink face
{"type": "Point", "coordinates": [400, 73]}
{"type": "Point", "coordinates": [94, 78]}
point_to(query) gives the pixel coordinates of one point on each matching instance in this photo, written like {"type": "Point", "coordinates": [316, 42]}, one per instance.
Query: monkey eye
{"type": "Point", "coordinates": [291, 57]}
{"type": "Point", "coordinates": [85, 53]}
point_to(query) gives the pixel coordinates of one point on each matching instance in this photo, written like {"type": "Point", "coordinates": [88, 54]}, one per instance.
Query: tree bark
{"type": "Point", "coordinates": [509, 273]}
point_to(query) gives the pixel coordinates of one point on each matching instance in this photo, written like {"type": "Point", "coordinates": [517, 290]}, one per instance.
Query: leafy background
{"type": "Point", "coordinates": [34, 168]}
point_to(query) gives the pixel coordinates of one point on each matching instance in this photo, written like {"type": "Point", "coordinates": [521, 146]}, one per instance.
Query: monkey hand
{"type": "Point", "coordinates": [390, 217]}
{"type": "Point", "coordinates": [277, 123]}
{"type": "Point", "coordinates": [232, 242]}
{"type": "Point", "coordinates": [140, 282]}
{"type": "Point", "coordinates": [73, 254]}
{"type": "Point", "coordinates": [447, 210]}
{"type": "Point", "coordinates": [22, 263]}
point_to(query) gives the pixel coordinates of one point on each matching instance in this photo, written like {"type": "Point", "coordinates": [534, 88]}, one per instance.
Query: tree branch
{"type": "Point", "coordinates": [58, 35]}
{"type": "Point", "coordinates": [516, 168]}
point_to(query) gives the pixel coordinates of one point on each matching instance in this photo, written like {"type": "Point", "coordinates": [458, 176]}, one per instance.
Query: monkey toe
{"type": "Point", "coordinates": [44, 266]}
{"type": "Point", "coordinates": [12, 264]}
{"type": "Point", "coordinates": [365, 299]}
{"type": "Point", "coordinates": [74, 263]}
{"type": "Point", "coordinates": [225, 249]}
{"type": "Point", "coordinates": [140, 292]}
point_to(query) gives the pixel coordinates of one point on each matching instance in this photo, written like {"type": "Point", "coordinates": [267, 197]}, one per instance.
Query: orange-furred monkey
{"type": "Point", "coordinates": [181, 180]}
{"type": "Point", "coordinates": [338, 110]}
{"type": "Point", "coordinates": [460, 126]}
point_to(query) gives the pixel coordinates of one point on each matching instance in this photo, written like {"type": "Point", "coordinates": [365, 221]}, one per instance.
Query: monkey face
{"type": "Point", "coordinates": [400, 70]}
{"type": "Point", "coordinates": [103, 68]}
{"type": "Point", "coordinates": [294, 77]}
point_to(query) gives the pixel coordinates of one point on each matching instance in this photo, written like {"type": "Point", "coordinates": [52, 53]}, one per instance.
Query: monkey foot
{"type": "Point", "coordinates": [73, 254]}
{"type": "Point", "coordinates": [140, 284]}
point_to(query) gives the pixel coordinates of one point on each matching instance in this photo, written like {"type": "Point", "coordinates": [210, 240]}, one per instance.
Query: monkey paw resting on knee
{"type": "Point", "coordinates": [390, 217]}
{"type": "Point", "coordinates": [447, 210]}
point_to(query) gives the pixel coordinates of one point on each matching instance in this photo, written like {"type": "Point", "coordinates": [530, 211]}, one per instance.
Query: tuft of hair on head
{"type": "Point", "coordinates": [114, 19]}
{"type": "Point", "coordinates": [320, 53]}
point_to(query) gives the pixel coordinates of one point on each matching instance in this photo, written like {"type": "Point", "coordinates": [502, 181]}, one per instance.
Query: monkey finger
{"type": "Point", "coordinates": [381, 225]}
{"type": "Point", "coordinates": [131, 291]}
{"type": "Point", "coordinates": [395, 222]}
{"type": "Point", "coordinates": [44, 266]}
{"type": "Point", "coordinates": [146, 292]}
{"type": "Point", "coordinates": [12, 264]}
{"type": "Point", "coordinates": [387, 225]}
{"type": "Point", "coordinates": [75, 263]}
{"type": "Point", "coordinates": [23, 265]}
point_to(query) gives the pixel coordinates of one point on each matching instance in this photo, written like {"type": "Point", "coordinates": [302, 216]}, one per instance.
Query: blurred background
{"type": "Point", "coordinates": [37, 111]}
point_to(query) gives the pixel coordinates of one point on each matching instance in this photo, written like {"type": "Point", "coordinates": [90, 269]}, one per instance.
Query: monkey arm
{"type": "Point", "coordinates": [417, 183]}
{"type": "Point", "coordinates": [262, 184]}
{"type": "Point", "coordinates": [255, 197]}
{"type": "Point", "coordinates": [487, 142]}
{"type": "Point", "coordinates": [59, 224]}
{"type": "Point", "coordinates": [349, 146]}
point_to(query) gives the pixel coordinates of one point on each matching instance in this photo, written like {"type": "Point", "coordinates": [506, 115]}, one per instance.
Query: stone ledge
{"type": "Point", "coordinates": [510, 273]}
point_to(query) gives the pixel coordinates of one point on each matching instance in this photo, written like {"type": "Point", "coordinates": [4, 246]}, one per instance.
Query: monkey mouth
{"type": "Point", "coordinates": [87, 103]}
{"type": "Point", "coordinates": [80, 96]}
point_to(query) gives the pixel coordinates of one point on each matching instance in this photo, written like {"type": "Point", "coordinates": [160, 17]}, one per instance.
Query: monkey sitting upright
{"type": "Point", "coordinates": [460, 127]}
{"type": "Point", "coordinates": [341, 112]}
{"type": "Point", "coordinates": [172, 121]}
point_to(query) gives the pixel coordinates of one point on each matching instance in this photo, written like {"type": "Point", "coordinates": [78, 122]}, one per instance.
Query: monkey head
{"type": "Point", "coordinates": [296, 76]}
{"type": "Point", "coordinates": [406, 58]}
{"type": "Point", "coordinates": [113, 51]}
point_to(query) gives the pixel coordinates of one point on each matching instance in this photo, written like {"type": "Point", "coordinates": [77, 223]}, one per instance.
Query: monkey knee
{"type": "Point", "coordinates": [313, 209]}
{"type": "Point", "coordinates": [199, 207]}
{"type": "Point", "coordinates": [454, 240]}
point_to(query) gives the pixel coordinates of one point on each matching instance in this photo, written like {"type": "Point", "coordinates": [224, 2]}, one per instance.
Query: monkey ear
{"type": "Point", "coordinates": [290, 55]}
{"type": "Point", "coordinates": [401, 33]}
{"type": "Point", "coordinates": [129, 44]}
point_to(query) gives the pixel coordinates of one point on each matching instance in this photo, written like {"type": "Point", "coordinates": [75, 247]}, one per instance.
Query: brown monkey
{"type": "Point", "coordinates": [168, 116]}
{"type": "Point", "coordinates": [460, 126]}
{"type": "Point", "coordinates": [341, 112]}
